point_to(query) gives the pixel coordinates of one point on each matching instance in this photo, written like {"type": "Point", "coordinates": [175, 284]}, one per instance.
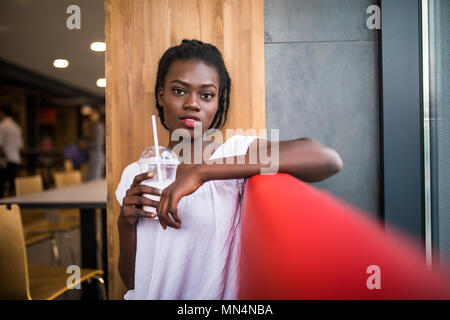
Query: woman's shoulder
{"type": "Point", "coordinates": [234, 146]}
{"type": "Point", "coordinates": [215, 146]}
{"type": "Point", "coordinates": [239, 140]}
{"type": "Point", "coordinates": [131, 168]}
{"type": "Point", "coordinates": [130, 172]}
{"type": "Point", "coordinates": [126, 180]}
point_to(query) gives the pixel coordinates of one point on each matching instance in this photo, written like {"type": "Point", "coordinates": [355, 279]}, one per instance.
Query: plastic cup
{"type": "Point", "coordinates": [148, 162]}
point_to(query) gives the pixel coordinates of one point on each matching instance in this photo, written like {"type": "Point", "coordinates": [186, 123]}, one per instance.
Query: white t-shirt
{"type": "Point", "coordinates": [11, 139]}
{"type": "Point", "coordinates": [201, 259]}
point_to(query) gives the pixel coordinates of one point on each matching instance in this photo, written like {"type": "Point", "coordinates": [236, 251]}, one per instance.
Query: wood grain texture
{"type": "Point", "coordinates": [137, 33]}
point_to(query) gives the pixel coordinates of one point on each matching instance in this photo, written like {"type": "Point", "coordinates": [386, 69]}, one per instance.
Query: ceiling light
{"type": "Point", "coordinates": [98, 46]}
{"type": "Point", "coordinates": [60, 63]}
{"type": "Point", "coordinates": [101, 82]}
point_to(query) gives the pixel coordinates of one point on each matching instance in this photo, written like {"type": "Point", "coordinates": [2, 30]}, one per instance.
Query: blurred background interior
{"type": "Point", "coordinates": [52, 89]}
{"type": "Point", "coordinates": [57, 108]}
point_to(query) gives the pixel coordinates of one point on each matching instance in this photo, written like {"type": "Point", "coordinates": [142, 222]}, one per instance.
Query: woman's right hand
{"type": "Point", "coordinates": [133, 202]}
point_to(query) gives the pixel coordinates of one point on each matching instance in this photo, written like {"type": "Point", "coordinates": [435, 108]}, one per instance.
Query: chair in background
{"type": "Point", "coordinates": [70, 178]}
{"type": "Point", "coordinates": [35, 223]}
{"type": "Point", "coordinates": [84, 169]}
{"type": "Point", "coordinates": [65, 179]}
{"type": "Point", "coordinates": [31, 216]}
{"type": "Point", "coordinates": [68, 165]}
{"type": "Point", "coordinates": [31, 239]}
{"type": "Point", "coordinates": [24, 281]}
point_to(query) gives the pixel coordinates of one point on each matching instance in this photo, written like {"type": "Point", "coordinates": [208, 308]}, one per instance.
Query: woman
{"type": "Point", "coordinates": [198, 256]}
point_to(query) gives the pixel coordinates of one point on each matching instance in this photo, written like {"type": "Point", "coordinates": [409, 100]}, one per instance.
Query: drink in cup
{"type": "Point", "coordinates": [168, 169]}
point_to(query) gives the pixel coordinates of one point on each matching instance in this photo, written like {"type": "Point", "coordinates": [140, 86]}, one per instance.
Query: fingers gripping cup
{"type": "Point", "coordinates": [148, 161]}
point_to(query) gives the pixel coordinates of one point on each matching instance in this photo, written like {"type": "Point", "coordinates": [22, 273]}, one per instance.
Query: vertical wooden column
{"type": "Point", "coordinates": [137, 33]}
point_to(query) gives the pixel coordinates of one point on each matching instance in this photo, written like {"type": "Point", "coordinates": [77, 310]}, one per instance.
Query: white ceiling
{"type": "Point", "coordinates": [33, 33]}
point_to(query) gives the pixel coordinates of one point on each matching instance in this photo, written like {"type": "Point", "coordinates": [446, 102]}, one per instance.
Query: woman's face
{"type": "Point", "coordinates": [190, 95]}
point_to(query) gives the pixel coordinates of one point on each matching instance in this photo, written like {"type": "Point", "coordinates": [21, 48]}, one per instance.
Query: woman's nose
{"type": "Point", "coordinates": [191, 102]}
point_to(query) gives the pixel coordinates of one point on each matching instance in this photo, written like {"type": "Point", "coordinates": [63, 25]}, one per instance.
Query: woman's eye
{"type": "Point", "coordinates": [178, 91]}
{"type": "Point", "coordinates": [207, 96]}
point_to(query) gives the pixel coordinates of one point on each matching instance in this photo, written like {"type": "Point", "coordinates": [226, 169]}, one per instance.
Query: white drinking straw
{"type": "Point", "coordinates": [158, 157]}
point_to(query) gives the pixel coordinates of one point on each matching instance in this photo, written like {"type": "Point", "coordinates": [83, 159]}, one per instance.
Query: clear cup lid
{"type": "Point", "coordinates": [168, 157]}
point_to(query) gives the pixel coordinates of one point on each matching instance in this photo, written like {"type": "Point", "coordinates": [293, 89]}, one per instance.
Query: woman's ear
{"type": "Point", "coordinates": [160, 96]}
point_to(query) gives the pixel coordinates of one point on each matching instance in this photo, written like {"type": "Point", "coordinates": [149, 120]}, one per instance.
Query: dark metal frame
{"type": "Point", "coordinates": [402, 155]}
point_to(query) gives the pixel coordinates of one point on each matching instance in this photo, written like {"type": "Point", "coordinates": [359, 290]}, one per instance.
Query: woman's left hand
{"type": "Point", "coordinates": [189, 181]}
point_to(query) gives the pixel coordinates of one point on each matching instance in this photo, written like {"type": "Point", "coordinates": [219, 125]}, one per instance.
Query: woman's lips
{"type": "Point", "coordinates": [190, 123]}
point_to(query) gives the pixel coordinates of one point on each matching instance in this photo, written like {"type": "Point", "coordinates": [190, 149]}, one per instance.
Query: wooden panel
{"type": "Point", "coordinates": [137, 34]}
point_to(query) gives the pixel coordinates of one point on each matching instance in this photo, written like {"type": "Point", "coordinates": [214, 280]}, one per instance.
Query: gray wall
{"type": "Point", "coordinates": [322, 81]}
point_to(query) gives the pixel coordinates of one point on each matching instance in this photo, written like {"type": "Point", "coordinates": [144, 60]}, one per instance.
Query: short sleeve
{"type": "Point", "coordinates": [126, 180]}
{"type": "Point", "coordinates": [130, 295]}
{"type": "Point", "coordinates": [237, 145]}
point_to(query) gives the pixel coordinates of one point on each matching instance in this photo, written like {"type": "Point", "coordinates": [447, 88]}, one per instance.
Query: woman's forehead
{"type": "Point", "coordinates": [194, 72]}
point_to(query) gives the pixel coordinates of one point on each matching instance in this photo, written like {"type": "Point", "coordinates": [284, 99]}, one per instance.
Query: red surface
{"type": "Point", "coordinates": [302, 243]}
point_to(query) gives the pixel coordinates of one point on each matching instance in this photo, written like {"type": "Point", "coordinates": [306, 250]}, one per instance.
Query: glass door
{"type": "Point", "coordinates": [436, 117]}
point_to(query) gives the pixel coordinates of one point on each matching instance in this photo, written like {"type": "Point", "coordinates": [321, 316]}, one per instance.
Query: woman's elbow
{"type": "Point", "coordinates": [333, 160]}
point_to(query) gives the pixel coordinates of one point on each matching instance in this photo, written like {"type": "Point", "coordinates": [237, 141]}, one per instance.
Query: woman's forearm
{"type": "Point", "coordinates": [127, 256]}
{"type": "Point", "coordinates": [305, 159]}
{"type": "Point", "coordinates": [308, 160]}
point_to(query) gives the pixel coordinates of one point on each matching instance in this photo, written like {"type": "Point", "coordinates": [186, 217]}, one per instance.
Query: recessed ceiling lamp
{"type": "Point", "coordinates": [101, 82]}
{"type": "Point", "coordinates": [60, 63]}
{"type": "Point", "coordinates": [98, 46]}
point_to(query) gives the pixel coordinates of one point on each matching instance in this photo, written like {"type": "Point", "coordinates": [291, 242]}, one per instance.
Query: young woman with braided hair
{"type": "Point", "coordinates": [197, 257]}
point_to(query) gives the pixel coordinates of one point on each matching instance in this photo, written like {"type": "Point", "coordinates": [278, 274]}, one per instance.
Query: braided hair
{"type": "Point", "coordinates": [209, 54]}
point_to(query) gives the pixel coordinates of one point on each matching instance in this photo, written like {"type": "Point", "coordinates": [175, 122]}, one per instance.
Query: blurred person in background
{"type": "Point", "coordinates": [73, 152]}
{"type": "Point", "coordinates": [10, 144]}
{"type": "Point", "coordinates": [96, 147]}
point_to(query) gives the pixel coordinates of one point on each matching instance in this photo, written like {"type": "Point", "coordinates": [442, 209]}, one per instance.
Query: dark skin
{"type": "Point", "coordinates": [192, 87]}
